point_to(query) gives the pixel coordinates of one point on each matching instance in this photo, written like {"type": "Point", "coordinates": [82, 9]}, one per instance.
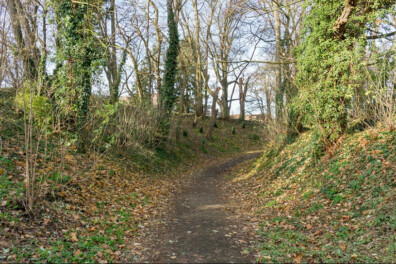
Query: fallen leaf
{"type": "Point", "coordinates": [317, 233]}
{"type": "Point", "coordinates": [4, 243]}
{"type": "Point", "coordinates": [245, 252]}
{"type": "Point", "coordinates": [297, 258]}
{"type": "Point", "coordinates": [343, 246]}
{"type": "Point", "coordinates": [73, 237]}
{"type": "Point", "coordinates": [308, 226]}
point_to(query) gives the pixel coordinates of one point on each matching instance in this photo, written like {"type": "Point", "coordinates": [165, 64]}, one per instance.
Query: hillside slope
{"type": "Point", "coordinates": [90, 206]}
{"type": "Point", "coordinates": [339, 208]}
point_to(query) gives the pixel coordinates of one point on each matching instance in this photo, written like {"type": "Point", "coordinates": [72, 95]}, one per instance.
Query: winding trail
{"type": "Point", "coordinates": [199, 228]}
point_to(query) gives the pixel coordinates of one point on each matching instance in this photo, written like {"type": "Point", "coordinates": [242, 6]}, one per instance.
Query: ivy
{"type": "Point", "coordinates": [78, 57]}
{"type": "Point", "coordinates": [168, 91]}
{"type": "Point", "coordinates": [330, 68]}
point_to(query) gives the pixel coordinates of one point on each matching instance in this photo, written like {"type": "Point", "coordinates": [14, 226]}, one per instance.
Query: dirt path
{"type": "Point", "coordinates": [199, 228]}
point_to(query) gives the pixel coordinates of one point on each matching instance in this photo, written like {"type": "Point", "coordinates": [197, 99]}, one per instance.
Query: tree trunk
{"type": "Point", "coordinates": [198, 68]}
{"type": "Point", "coordinates": [113, 55]}
{"type": "Point", "coordinates": [25, 39]}
{"type": "Point", "coordinates": [278, 69]}
{"type": "Point", "coordinates": [214, 114]}
{"type": "Point", "coordinates": [225, 113]}
{"type": "Point", "coordinates": [242, 98]}
{"type": "Point", "coordinates": [181, 98]}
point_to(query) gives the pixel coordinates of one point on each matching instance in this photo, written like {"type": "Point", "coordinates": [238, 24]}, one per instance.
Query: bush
{"type": "Point", "coordinates": [125, 127]}
{"type": "Point", "coordinates": [26, 101]}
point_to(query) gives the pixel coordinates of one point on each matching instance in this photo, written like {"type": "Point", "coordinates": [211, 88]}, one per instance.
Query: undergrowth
{"type": "Point", "coordinates": [338, 208]}
{"type": "Point", "coordinates": [91, 205]}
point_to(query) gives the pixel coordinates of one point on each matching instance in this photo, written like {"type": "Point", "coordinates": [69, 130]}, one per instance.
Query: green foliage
{"type": "Point", "coordinates": [318, 146]}
{"type": "Point", "coordinates": [331, 67]}
{"type": "Point", "coordinates": [253, 137]}
{"type": "Point", "coordinates": [271, 203]}
{"type": "Point", "coordinates": [352, 185]}
{"type": "Point", "coordinates": [168, 92]}
{"type": "Point", "coordinates": [124, 127]}
{"type": "Point", "coordinates": [28, 100]}
{"type": "Point", "coordinates": [77, 57]}
{"type": "Point", "coordinates": [59, 177]}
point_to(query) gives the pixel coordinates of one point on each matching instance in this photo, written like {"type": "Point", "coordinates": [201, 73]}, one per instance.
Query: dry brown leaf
{"type": "Point", "coordinates": [73, 237]}
{"type": "Point", "coordinates": [4, 243]}
{"type": "Point", "coordinates": [297, 258]}
{"type": "Point", "coordinates": [343, 246]}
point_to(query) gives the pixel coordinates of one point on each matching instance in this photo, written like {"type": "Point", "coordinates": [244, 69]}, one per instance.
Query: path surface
{"type": "Point", "coordinates": [199, 229]}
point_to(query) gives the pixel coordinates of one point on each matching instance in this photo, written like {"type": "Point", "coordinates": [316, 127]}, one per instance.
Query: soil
{"type": "Point", "coordinates": [200, 227]}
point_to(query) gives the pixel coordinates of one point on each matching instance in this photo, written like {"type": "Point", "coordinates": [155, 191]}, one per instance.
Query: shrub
{"type": "Point", "coordinates": [125, 127]}
{"type": "Point", "coordinates": [27, 100]}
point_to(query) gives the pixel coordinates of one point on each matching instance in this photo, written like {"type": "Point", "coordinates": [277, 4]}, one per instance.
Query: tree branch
{"type": "Point", "coordinates": [340, 24]}
{"type": "Point", "coordinates": [381, 35]}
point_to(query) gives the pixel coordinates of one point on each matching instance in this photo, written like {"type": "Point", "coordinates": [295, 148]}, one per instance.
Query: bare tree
{"type": "Point", "coordinates": [23, 16]}
{"type": "Point", "coordinates": [222, 47]}
{"type": "Point", "coordinates": [113, 66]}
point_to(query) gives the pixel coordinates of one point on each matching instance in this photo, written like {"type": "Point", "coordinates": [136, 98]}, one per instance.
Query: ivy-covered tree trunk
{"type": "Point", "coordinates": [330, 61]}
{"type": "Point", "coordinates": [280, 89]}
{"type": "Point", "coordinates": [168, 94]}
{"type": "Point", "coordinates": [76, 55]}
